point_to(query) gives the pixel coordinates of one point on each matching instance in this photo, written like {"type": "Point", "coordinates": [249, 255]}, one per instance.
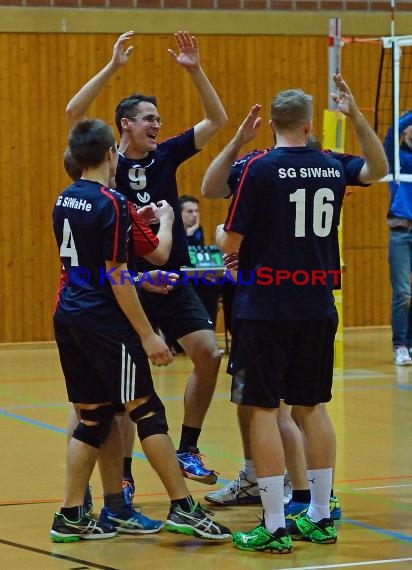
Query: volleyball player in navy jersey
{"type": "Point", "coordinates": [283, 221]}
{"type": "Point", "coordinates": [147, 172]}
{"type": "Point", "coordinates": [103, 337]}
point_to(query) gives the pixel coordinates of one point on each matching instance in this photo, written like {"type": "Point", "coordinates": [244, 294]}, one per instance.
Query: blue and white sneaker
{"type": "Point", "coordinates": [130, 521]}
{"type": "Point", "coordinates": [293, 510]}
{"type": "Point", "coordinates": [192, 467]}
{"type": "Point", "coordinates": [335, 509]}
{"type": "Point", "coordinates": [128, 492]}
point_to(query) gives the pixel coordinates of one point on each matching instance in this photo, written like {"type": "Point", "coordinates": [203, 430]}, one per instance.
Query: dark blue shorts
{"type": "Point", "coordinates": [291, 360]}
{"type": "Point", "coordinates": [103, 366]}
{"type": "Point", "coordinates": [178, 313]}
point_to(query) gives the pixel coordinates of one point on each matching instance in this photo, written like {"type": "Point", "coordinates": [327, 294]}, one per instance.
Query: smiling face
{"type": "Point", "coordinates": [139, 132]}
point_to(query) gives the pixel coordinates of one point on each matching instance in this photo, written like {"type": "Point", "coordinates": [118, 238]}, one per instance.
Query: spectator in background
{"type": "Point", "coordinates": [400, 242]}
{"type": "Point", "coordinates": [208, 293]}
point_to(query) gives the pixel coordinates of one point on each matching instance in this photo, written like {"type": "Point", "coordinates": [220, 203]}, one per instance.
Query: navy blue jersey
{"type": "Point", "coordinates": [351, 163]}
{"type": "Point", "coordinates": [287, 205]}
{"type": "Point", "coordinates": [90, 224]}
{"type": "Point", "coordinates": [154, 178]}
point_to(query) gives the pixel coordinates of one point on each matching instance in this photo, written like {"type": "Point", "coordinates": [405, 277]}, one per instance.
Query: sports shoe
{"type": "Point", "coordinates": [192, 467]}
{"type": "Point", "coordinates": [321, 532]}
{"type": "Point", "coordinates": [88, 501]}
{"type": "Point", "coordinates": [128, 491]}
{"type": "Point", "coordinates": [261, 540]}
{"type": "Point", "coordinates": [196, 523]}
{"type": "Point", "coordinates": [86, 528]}
{"type": "Point", "coordinates": [287, 489]}
{"type": "Point", "coordinates": [335, 509]}
{"type": "Point", "coordinates": [293, 510]}
{"type": "Point", "coordinates": [130, 521]}
{"type": "Point", "coordinates": [401, 356]}
{"type": "Point", "coordinates": [241, 491]}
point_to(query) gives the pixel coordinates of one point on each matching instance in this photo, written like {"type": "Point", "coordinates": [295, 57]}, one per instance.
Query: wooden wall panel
{"type": "Point", "coordinates": [39, 74]}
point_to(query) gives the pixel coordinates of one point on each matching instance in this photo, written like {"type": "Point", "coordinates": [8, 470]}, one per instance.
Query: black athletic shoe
{"type": "Point", "coordinates": [195, 523]}
{"type": "Point", "coordinates": [86, 528]}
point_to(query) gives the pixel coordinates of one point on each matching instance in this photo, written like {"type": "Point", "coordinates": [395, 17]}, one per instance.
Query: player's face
{"type": "Point", "coordinates": [407, 136]}
{"type": "Point", "coordinates": [143, 128]}
{"type": "Point", "coordinates": [190, 214]}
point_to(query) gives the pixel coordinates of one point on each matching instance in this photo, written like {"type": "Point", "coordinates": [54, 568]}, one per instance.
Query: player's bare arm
{"type": "Point", "coordinates": [214, 184]}
{"type": "Point", "coordinates": [126, 296]}
{"type": "Point", "coordinates": [215, 116]}
{"type": "Point", "coordinates": [164, 213]}
{"type": "Point", "coordinates": [376, 164]}
{"type": "Point", "coordinates": [77, 107]}
{"type": "Point", "coordinates": [229, 242]}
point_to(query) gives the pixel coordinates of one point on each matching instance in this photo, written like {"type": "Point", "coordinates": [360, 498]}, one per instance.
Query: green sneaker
{"type": "Point", "coordinates": [261, 540]}
{"type": "Point", "coordinates": [321, 532]}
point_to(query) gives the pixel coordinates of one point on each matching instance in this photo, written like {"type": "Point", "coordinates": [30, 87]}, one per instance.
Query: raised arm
{"type": "Point", "coordinates": [77, 106]}
{"type": "Point", "coordinates": [215, 181]}
{"type": "Point", "coordinates": [215, 115]}
{"type": "Point", "coordinates": [376, 164]}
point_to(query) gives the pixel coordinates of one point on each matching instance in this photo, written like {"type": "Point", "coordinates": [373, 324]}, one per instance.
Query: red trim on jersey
{"type": "Point", "coordinates": [104, 191]}
{"type": "Point", "coordinates": [144, 240]}
{"type": "Point", "coordinates": [63, 279]}
{"type": "Point", "coordinates": [239, 189]}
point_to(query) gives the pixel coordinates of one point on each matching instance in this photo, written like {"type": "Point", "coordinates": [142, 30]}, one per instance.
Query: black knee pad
{"type": "Point", "coordinates": [154, 424]}
{"type": "Point", "coordinates": [95, 435]}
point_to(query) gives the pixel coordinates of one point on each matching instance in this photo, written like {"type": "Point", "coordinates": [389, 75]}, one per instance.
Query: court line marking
{"type": "Point", "coordinates": [135, 454]}
{"type": "Point", "coordinates": [56, 555]}
{"type": "Point", "coordinates": [347, 564]}
{"type": "Point", "coordinates": [383, 487]}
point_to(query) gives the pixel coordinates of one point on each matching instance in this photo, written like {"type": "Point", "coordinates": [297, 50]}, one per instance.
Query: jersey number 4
{"type": "Point", "coordinates": [322, 211]}
{"type": "Point", "coordinates": [68, 247]}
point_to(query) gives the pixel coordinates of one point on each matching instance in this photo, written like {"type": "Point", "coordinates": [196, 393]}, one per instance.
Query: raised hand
{"type": "Point", "coordinates": [344, 99]}
{"type": "Point", "coordinates": [189, 55]}
{"type": "Point", "coordinates": [247, 130]}
{"type": "Point", "coordinates": [120, 54]}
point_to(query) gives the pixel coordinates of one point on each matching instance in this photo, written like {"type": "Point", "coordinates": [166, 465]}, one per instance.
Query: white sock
{"type": "Point", "coordinates": [249, 470]}
{"type": "Point", "coordinates": [320, 484]}
{"type": "Point", "coordinates": [271, 492]}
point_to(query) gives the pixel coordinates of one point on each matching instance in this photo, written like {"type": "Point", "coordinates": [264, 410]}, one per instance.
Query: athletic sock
{"type": "Point", "coordinates": [72, 514]}
{"type": "Point", "coordinates": [320, 484]}
{"type": "Point", "coordinates": [271, 492]}
{"type": "Point", "coordinates": [186, 504]}
{"type": "Point", "coordinates": [249, 470]}
{"type": "Point", "coordinates": [127, 469]}
{"type": "Point", "coordinates": [114, 502]}
{"type": "Point", "coordinates": [188, 438]}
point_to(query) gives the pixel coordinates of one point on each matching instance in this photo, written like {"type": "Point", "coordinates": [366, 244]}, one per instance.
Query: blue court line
{"type": "Point", "coordinates": [43, 425]}
{"type": "Point", "coordinates": [397, 535]}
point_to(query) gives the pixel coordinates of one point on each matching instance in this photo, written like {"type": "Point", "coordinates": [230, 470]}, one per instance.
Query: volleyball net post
{"type": "Point", "coordinates": [333, 138]}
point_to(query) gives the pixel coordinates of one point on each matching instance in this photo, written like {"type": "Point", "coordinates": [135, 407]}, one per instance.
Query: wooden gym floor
{"type": "Point", "coordinates": [372, 413]}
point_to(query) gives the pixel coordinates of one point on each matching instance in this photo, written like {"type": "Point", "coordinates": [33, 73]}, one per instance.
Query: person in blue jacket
{"type": "Point", "coordinates": [400, 242]}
